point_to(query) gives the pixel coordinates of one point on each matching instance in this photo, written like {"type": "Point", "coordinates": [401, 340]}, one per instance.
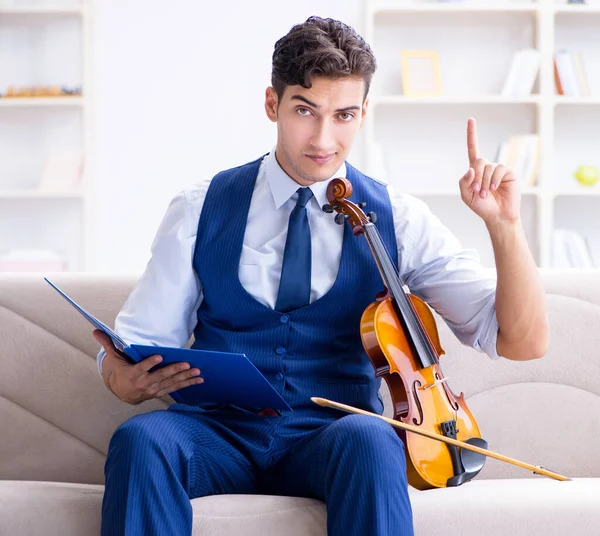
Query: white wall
{"type": "Point", "coordinates": [178, 95]}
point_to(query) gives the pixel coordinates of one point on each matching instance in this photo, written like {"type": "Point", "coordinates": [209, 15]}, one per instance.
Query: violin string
{"type": "Point", "coordinates": [412, 320]}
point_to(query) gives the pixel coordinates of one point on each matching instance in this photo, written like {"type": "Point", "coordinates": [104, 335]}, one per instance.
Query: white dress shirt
{"type": "Point", "coordinates": [161, 309]}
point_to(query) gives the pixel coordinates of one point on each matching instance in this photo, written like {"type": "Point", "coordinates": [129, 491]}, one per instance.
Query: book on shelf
{"type": "Point", "coordinates": [32, 260]}
{"type": "Point", "coordinates": [522, 73]}
{"type": "Point", "coordinates": [522, 155]}
{"type": "Point", "coordinates": [570, 250]}
{"type": "Point", "coordinates": [570, 76]}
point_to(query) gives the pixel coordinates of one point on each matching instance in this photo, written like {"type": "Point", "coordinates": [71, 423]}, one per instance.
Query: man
{"type": "Point", "coordinates": [249, 262]}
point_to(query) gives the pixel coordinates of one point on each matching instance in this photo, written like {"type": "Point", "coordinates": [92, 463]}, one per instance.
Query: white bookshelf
{"type": "Point", "coordinates": [420, 143]}
{"type": "Point", "coordinates": [45, 43]}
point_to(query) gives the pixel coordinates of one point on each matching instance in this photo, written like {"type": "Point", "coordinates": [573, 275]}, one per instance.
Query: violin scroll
{"type": "Point", "coordinates": [338, 191]}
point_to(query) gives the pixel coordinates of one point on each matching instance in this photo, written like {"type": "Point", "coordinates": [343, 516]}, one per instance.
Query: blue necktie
{"type": "Point", "coordinates": [294, 287]}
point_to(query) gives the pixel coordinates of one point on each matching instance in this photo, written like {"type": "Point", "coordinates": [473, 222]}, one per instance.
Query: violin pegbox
{"type": "Point", "coordinates": [338, 191]}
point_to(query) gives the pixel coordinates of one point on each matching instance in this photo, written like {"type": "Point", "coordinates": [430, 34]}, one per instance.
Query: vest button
{"type": "Point", "coordinates": [280, 350]}
{"type": "Point", "coordinates": [284, 319]}
{"type": "Point", "coordinates": [279, 376]}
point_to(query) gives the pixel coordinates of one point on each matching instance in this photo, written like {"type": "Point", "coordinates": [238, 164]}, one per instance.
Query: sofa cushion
{"type": "Point", "coordinates": [491, 507]}
{"type": "Point", "coordinates": [257, 515]}
{"type": "Point", "coordinates": [41, 508]}
{"type": "Point", "coordinates": [519, 507]}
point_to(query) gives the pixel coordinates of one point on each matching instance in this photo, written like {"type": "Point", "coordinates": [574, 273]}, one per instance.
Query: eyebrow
{"type": "Point", "coordinates": [304, 99]}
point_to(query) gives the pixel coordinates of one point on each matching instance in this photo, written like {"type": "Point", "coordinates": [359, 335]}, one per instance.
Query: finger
{"type": "Point", "coordinates": [103, 339]}
{"type": "Point", "coordinates": [472, 145]}
{"type": "Point", "coordinates": [176, 378]}
{"type": "Point", "coordinates": [146, 364]}
{"type": "Point", "coordinates": [162, 374]}
{"type": "Point", "coordinates": [509, 175]}
{"type": "Point", "coordinates": [488, 171]}
{"type": "Point", "coordinates": [478, 167]}
{"type": "Point", "coordinates": [497, 177]}
{"type": "Point", "coordinates": [177, 386]}
{"type": "Point", "coordinates": [468, 177]}
{"type": "Point", "coordinates": [109, 346]}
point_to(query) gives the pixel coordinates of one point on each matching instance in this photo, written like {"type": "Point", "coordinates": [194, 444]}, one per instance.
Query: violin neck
{"type": "Point", "coordinates": [404, 308]}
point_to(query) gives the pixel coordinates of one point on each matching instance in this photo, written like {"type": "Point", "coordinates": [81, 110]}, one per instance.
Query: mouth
{"type": "Point", "coordinates": [321, 159]}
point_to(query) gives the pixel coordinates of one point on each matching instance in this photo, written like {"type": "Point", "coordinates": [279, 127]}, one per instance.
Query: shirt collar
{"type": "Point", "coordinates": [283, 187]}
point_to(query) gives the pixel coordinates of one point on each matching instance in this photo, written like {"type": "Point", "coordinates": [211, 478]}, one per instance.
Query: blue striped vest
{"type": "Point", "coordinates": [312, 351]}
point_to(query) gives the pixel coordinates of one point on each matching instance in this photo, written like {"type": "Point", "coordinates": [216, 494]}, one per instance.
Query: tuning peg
{"type": "Point", "coordinates": [372, 216]}
{"type": "Point", "coordinates": [362, 204]}
{"type": "Point", "coordinates": [327, 208]}
{"type": "Point", "coordinates": [339, 219]}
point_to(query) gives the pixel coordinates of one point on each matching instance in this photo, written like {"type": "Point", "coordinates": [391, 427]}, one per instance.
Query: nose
{"type": "Point", "coordinates": [322, 139]}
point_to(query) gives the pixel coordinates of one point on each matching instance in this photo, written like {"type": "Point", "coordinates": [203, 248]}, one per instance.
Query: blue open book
{"type": "Point", "coordinates": [229, 378]}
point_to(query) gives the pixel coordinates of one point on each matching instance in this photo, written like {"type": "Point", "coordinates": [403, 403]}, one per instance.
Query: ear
{"type": "Point", "coordinates": [271, 103]}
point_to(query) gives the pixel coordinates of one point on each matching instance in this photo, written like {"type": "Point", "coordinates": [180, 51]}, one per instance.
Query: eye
{"type": "Point", "coordinates": [346, 117]}
{"type": "Point", "coordinates": [301, 110]}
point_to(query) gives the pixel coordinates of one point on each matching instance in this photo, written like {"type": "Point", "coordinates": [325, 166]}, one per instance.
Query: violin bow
{"type": "Point", "coordinates": [397, 424]}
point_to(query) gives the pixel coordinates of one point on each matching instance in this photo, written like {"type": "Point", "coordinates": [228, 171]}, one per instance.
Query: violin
{"type": "Point", "coordinates": [400, 336]}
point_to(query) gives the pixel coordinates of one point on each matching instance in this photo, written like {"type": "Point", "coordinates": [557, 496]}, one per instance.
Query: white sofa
{"type": "Point", "coordinates": [56, 418]}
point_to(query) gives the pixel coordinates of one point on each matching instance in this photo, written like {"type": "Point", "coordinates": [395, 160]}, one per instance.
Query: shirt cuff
{"type": "Point", "coordinates": [100, 359]}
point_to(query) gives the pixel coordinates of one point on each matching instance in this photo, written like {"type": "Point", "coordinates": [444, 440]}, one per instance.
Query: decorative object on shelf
{"type": "Point", "coordinates": [522, 74]}
{"type": "Point", "coordinates": [421, 73]}
{"type": "Point", "coordinates": [522, 154]}
{"type": "Point", "coordinates": [569, 74]}
{"type": "Point", "coordinates": [40, 91]}
{"type": "Point", "coordinates": [570, 250]}
{"type": "Point", "coordinates": [587, 175]}
{"type": "Point", "coordinates": [62, 172]}
{"type": "Point", "coordinates": [32, 260]}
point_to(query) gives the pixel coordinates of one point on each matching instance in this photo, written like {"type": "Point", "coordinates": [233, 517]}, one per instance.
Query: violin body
{"type": "Point", "coordinates": [420, 396]}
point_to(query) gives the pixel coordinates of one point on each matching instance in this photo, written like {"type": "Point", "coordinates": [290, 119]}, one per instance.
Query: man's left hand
{"type": "Point", "coordinates": [489, 189]}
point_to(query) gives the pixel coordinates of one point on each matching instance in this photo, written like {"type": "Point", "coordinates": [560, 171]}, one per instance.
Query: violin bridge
{"type": "Point", "coordinates": [430, 385]}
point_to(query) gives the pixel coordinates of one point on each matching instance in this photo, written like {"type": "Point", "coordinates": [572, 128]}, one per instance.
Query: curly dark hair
{"type": "Point", "coordinates": [320, 47]}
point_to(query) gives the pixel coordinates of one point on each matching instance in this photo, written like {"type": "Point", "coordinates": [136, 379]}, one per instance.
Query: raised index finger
{"type": "Point", "coordinates": [472, 148]}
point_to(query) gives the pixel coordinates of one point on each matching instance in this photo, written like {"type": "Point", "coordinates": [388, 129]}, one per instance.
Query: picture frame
{"type": "Point", "coordinates": [421, 73]}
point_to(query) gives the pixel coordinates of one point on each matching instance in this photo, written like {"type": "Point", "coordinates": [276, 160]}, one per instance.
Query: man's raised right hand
{"type": "Point", "coordinates": [133, 383]}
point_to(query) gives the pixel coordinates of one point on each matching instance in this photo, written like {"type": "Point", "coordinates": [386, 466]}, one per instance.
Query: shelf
{"type": "Point", "coordinates": [581, 9]}
{"type": "Point", "coordinates": [36, 194]}
{"type": "Point", "coordinates": [592, 192]}
{"type": "Point", "coordinates": [501, 7]}
{"type": "Point", "coordinates": [34, 102]}
{"type": "Point", "coordinates": [577, 100]}
{"type": "Point", "coordinates": [42, 10]}
{"type": "Point", "coordinates": [485, 99]}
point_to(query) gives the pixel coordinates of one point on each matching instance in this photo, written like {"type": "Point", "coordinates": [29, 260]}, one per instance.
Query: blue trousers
{"type": "Point", "coordinates": [160, 460]}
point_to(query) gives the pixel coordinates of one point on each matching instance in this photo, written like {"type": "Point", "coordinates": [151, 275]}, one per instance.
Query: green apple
{"type": "Point", "coordinates": [587, 175]}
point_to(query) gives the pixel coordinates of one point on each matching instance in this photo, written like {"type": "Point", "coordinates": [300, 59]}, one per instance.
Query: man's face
{"type": "Point", "coordinates": [316, 127]}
